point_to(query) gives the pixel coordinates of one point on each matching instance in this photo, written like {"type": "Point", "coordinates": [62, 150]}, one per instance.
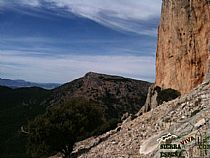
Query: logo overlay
{"type": "Point", "coordinates": [196, 145]}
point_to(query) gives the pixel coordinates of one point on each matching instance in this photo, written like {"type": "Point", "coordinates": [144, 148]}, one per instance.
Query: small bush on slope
{"type": "Point", "coordinates": [167, 95]}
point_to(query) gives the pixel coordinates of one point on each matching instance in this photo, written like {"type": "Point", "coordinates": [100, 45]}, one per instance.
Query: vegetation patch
{"type": "Point", "coordinates": [17, 106]}
{"type": "Point", "coordinates": [58, 129]}
{"type": "Point", "coordinates": [166, 95]}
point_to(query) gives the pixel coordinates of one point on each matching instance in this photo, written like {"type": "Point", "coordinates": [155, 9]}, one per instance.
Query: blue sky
{"type": "Point", "coordinates": [60, 40]}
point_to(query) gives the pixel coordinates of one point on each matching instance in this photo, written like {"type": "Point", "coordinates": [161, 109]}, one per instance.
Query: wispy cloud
{"type": "Point", "coordinates": [117, 14]}
{"type": "Point", "coordinates": [40, 57]}
{"type": "Point", "coordinates": [54, 46]}
{"type": "Point", "coordinates": [34, 3]}
{"type": "Point", "coordinates": [122, 15]}
{"type": "Point", "coordinates": [66, 68]}
{"type": "Point", "coordinates": [123, 9]}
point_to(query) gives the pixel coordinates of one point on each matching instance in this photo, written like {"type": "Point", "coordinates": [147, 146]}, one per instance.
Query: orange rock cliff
{"type": "Point", "coordinates": [183, 50]}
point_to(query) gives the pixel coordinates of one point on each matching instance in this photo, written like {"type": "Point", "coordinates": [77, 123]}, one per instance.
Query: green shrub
{"type": "Point", "coordinates": [158, 89]}
{"type": "Point", "coordinates": [63, 125]}
{"type": "Point", "coordinates": [167, 95]}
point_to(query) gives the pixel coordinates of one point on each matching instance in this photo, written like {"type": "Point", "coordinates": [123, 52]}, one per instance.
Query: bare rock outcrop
{"type": "Point", "coordinates": [151, 101]}
{"type": "Point", "coordinates": [183, 51]}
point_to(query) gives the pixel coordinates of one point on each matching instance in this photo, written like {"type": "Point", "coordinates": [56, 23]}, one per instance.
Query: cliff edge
{"type": "Point", "coordinates": [183, 50]}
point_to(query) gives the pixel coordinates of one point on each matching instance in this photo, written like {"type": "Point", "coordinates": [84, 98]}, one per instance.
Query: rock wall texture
{"type": "Point", "coordinates": [151, 101]}
{"type": "Point", "coordinates": [182, 59]}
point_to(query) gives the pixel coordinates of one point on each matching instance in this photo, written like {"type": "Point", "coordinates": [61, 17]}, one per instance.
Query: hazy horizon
{"type": "Point", "coordinates": [19, 79]}
{"type": "Point", "coordinates": [57, 41]}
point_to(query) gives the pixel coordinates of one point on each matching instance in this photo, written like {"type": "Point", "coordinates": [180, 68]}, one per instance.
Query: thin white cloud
{"type": "Point", "coordinates": [123, 9]}
{"type": "Point", "coordinates": [33, 3]}
{"type": "Point", "coordinates": [67, 68]}
{"type": "Point", "coordinates": [124, 15]}
{"type": "Point", "coordinates": [117, 14]}
{"type": "Point", "coordinates": [1, 2]}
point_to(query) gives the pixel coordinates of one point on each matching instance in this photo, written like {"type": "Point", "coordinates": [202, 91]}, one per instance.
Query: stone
{"type": "Point", "coordinates": [200, 123]}
{"type": "Point", "coordinates": [125, 116]}
{"type": "Point", "coordinates": [183, 56]}
{"type": "Point", "coordinates": [151, 101]}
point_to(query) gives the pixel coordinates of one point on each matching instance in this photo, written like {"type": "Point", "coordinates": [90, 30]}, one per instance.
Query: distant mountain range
{"type": "Point", "coordinates": [22, 83]}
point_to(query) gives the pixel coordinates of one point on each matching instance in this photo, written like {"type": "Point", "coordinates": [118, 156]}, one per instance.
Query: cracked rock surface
{"type": "Point", "coordinates": [183, 50]}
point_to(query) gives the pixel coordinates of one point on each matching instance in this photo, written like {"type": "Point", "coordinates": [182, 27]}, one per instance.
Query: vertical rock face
{"type": "Point", "coordinates": [151, 101]}
{"type": "Point", "coordinates": [183, 51]}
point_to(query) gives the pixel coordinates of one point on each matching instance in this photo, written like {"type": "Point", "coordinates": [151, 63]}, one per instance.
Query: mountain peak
{"type": "Point", "coordinates": [92, 74]}
{"type": "Point", "coordinates": [95, 75]}
{"type": "Point", "coordinates": [119, 93]}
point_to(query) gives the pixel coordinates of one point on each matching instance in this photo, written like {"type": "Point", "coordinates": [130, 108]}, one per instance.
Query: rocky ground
{"type": "Point", "coordinates": [141, 136]}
